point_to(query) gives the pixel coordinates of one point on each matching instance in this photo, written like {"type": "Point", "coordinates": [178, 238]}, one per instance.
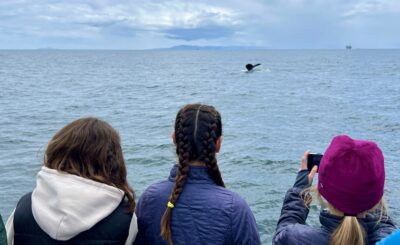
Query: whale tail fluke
{"type": "Point", "coordinates": [250, 67]}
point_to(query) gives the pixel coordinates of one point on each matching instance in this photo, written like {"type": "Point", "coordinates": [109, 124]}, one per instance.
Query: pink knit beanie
{"type": "Point", "coordinates": [352, 175]}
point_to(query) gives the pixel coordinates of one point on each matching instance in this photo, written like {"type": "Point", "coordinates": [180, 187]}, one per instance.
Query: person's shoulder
{"type": "Point", "coordinates": [300, 234]}
{"type": "Point", "coordinates": [225, 193]}
{"type": "Point", "coordinates": [25, 200]}
{"type": "Point", "coordinates": [164, 184]}
{"type": "Point", "coordinates": [225, 197]}
{"type": "Point", "coordinates": [155, 189]}
{"type": "Point", "coordinates": [237, 200]}
{"type": "Point", "coordinates": [26, 196]}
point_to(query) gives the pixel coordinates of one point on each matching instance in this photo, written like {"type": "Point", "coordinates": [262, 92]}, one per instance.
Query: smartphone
{"type": "Point", "coordinates": [313, 159]}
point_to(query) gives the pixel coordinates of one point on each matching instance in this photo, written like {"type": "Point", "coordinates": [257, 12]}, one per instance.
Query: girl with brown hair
{"type": "Point", "coordinates": [193, 206]}
{"type": "Point", "coordinates": [82, 195]}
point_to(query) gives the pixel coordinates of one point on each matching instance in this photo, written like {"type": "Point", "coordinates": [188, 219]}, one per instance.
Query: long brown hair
{"type": "Point", "coordinates": [197, 129]}
{"type": "Point", "coordinates": [90, 148]}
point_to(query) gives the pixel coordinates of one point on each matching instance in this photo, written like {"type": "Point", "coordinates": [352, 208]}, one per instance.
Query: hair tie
{"type": "Point", "coordinates": [170, 205]}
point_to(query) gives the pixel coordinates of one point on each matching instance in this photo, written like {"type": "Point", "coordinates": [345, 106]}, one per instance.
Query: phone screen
{"type": "Point", "coordinates": [313, 159]}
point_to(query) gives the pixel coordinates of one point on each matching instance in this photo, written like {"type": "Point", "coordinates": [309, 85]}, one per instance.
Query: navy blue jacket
{"type": "Point", "coordinates": [204, 214]}
{"type": "Point", "coordinates": [3, 235]}
{"type": "Point", "coordinates": [292, 228]}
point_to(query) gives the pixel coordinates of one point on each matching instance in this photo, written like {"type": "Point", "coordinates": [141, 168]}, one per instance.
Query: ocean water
{"type": "Point", "coordinates": [296, 100]}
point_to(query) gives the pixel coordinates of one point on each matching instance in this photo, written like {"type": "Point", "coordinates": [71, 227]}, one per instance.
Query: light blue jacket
{"type": "Point", "coordinates": [393, 239]}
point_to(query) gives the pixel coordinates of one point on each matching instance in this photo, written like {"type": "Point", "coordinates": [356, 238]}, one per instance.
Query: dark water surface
{"type": "Point", "coordinates": [297, 100]}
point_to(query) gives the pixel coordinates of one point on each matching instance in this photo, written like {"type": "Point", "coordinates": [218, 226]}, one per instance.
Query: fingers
{"type": "Point", "coordinates": [312, 174]}
{"type": "Point", "coordinates": [303, 164]}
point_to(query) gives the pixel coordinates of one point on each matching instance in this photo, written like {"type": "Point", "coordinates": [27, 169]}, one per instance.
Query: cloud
{"type": "Point", "coordinates": [372, 7]}
{"type": "Point", "coordinates": [175, 20]}
{"type": "Point", "coordinates": [211, 32]}
{"type": "Point", "coordinates": [137, 24]}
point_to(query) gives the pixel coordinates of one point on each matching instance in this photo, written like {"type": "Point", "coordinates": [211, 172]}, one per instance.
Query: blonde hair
{"type": "Point", "coordinates": [350, 231]}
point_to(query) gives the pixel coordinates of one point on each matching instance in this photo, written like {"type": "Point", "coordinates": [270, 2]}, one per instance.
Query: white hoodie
{"type": "Point", "coordinates": [60, 200]}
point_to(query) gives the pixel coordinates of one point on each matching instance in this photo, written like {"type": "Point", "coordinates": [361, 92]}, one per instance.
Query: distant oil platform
{"type": "Point", "coordinates": [348, 47]}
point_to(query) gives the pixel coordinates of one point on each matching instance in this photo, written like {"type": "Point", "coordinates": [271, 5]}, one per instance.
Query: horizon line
{"type": "Point", "coordinates": [176, 48]}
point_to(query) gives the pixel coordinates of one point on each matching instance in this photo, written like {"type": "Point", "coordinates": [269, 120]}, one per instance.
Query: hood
{"type": "Point", "coordinates": [65, 205]}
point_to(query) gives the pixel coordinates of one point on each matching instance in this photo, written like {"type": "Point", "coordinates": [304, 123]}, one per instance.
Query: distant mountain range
{"type": "Point", "coordinates": [194, 47]}
{"type": "Point", "coordinates": [183, 48]}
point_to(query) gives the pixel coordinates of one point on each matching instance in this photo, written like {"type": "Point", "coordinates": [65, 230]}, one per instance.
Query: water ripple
{"type": "Point", "coordinates": [298, 100]}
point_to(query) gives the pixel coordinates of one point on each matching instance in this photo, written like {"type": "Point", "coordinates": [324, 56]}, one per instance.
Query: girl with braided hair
{"type": "Point", "coordinates": [193, 206]}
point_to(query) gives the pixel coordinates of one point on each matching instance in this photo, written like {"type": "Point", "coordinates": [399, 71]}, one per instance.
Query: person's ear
{"type": "Point", "coordinates": [218, 144]}
{"type": "Point", "coordinates": [173, 137]}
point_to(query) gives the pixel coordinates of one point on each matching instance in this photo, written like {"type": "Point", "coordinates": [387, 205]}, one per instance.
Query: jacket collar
{"type": "Point", "coordinates": [197, 174]}
{"type": "Point", "coordinates": [330, 222]}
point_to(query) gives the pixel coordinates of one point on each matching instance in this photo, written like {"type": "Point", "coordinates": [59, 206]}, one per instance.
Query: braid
{"type": "Point", "coordinates": [197, 129]}
{"type": "Point", "coordinates": [183, 170]}
{"type": "Point", "coordinates": [209, 145]}
{"type": "Point", "coordinates": [183, 152]}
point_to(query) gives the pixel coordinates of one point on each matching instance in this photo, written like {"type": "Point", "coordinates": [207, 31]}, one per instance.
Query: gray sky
{"type": "Point", "coordinates": [134, 24]}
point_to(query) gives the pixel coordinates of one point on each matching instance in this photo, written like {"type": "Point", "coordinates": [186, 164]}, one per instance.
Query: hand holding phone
{"type": "Point", "coordinates": [313, 159]}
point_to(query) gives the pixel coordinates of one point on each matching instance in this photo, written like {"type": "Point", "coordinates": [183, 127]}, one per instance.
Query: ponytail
{"type": "Point", "coordinates": [349, 232]}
